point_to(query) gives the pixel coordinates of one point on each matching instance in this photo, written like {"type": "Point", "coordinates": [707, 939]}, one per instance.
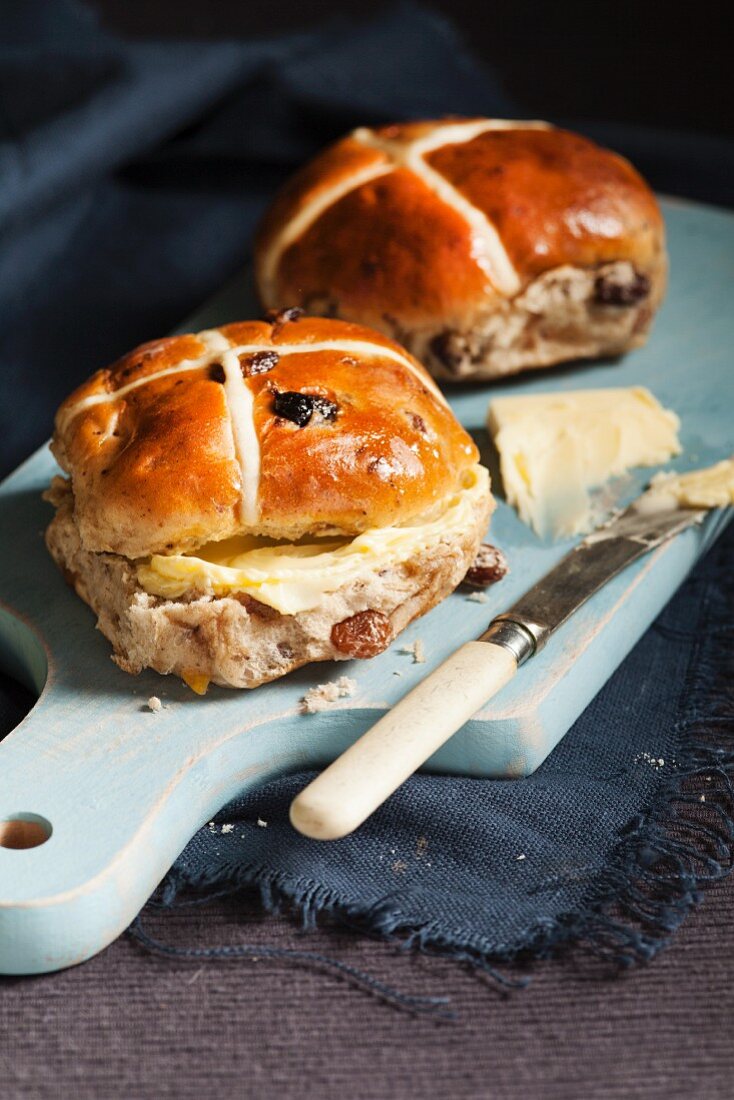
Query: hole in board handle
{"type": "Point", "coordinates": [24, 831]}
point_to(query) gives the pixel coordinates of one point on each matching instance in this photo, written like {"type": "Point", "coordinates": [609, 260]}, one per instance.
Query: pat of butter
{"type": "Point", "coordinates": [554, 447]}
{"type": "Point", "coordinates": [293, 578]}
{"type": "Point", "coordinates": [712, 487]}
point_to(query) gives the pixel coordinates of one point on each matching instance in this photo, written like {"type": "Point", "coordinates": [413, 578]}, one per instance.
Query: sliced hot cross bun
{"type": "Point", "coordinates": [244, 500]}
{"type": "Point", "coordinates": [485, 246]}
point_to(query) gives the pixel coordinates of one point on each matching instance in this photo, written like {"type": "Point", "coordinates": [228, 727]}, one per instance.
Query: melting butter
{"type": "Point", "coordinates": [555, 447]}
{"type": "Point", "coordinates": [295, 577]}
{"type": "Point", "coordinates": [197, 681]}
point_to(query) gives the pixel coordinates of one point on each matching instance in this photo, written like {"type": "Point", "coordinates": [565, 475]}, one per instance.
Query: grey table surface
{"type": "Point", "coordinates": [130, 1025]}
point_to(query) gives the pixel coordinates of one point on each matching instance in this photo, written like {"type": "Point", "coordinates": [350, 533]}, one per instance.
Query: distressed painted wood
{"type": "Point", "coordinates": [123, 788]}
{"type": "Point", "coordinates": [344, 795]}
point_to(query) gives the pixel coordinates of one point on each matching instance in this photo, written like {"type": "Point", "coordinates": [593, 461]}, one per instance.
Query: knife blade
{"type": "Point", "coordinates": [360, 780]}
{"type": "Point", "coordinates": [600, 556]}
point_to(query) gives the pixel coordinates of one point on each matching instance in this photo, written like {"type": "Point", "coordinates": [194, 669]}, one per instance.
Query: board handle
{"type": "Point", "coordinates": [360, 780]}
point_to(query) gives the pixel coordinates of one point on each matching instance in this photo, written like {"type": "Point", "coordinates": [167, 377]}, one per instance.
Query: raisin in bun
{"type": "Point", "coordinates": [485, 246]}
{"type": "Point", "coordinates": [244, 500]}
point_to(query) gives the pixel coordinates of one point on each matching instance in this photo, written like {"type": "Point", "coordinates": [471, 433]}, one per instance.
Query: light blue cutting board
{"type": "Point", "coordinates": [122, 789]}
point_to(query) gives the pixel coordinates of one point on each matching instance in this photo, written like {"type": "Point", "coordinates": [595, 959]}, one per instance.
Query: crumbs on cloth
{"type": "Point", "coordinates": [653, 761]}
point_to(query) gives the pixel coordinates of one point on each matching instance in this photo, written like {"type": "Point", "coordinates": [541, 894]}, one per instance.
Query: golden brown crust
{"type": "Point", "coordinates": [336, 165]}
{"type": "Point", "coordinates": [393, 451]}
{"type": "Point", "coordinates": [556, 198]}
{"type": "Point", "coordinates": [390, 249]}
{"type": "Point", "coordinates": [155, 467]}
{"type": "Point", "coordinates": [157, 464]}
{"type": "Point", "coordinates": [400, 251]}
{"type": "Point", "coordinates": [149, 358]}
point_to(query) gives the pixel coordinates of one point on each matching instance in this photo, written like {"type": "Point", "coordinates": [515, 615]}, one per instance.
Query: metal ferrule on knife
{"type": "Point", "coordinates": [522, 638]}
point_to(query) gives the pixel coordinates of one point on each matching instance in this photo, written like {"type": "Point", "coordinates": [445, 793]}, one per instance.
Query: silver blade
{"type": "Point", "coordinates": [602, 555]}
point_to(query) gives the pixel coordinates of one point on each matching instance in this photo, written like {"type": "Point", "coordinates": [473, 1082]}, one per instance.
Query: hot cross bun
{"type": "Point", "coordinates": [485, 246]}
{"type": "Point", "coordinates": [247, 499]}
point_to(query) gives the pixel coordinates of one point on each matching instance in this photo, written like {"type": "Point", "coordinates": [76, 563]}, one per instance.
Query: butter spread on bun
{"type": "Point", "coordinates": [486, 246]}
{"type": "Point", "coordinates": [247, 499]}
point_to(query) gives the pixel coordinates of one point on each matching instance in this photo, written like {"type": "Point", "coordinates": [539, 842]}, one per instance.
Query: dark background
{"type": "Point", "coordinates": [644, 62]}
{"type": "Point", "coordinates": [126, 1025]}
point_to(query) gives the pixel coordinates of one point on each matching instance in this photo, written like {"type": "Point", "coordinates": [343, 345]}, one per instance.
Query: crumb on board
{"type": "Point", "coordinates": [397, 672]}
{"type": "Point", "coordinates": [478, 597]}
{"type": "Point", "coordinates": [154, 704]}
{"type": "Point", "coordinates": [324, 696]}
{"type": "Point", "coordinates": [417, 650]}
{"type": "Point", "coordinates": [261, 823]}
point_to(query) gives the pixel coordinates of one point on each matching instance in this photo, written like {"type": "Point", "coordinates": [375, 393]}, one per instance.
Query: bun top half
{"type": "Point", "coordinates": [288, 427]}
{"type": "Point", "coordinates": [404, 224]}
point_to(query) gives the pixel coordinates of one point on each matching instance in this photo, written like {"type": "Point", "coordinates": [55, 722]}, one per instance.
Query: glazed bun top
{"type": "Point", "coordinates": [285, 427]}
{"type": "Point", "coordinates": [426, 219]}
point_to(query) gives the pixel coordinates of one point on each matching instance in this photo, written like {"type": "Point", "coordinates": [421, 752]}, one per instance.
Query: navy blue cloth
{"type": "Point", "coordinates": [131, 176]}
{"type": "Point", "coordinates": [608, 842]}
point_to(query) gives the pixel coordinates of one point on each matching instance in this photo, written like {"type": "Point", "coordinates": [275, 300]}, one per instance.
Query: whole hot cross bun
{"type": "Point", "coordinates": [245, 500]}
{"type": "Point", "coordinates": [485, 246]}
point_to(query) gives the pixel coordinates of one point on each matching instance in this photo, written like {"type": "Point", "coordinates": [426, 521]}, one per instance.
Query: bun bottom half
{"type": "Point", "coordinates": [566, 313]}
{"type": "Point", "coordinates": [236, 641]}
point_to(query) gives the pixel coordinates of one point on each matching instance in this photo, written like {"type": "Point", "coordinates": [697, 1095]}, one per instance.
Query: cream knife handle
{"type": "Point", "coordinates": [360, 780]}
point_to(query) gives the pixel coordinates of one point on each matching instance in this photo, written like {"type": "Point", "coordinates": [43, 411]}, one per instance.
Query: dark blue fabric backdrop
{"type": "Point", "coordinates": [131, 175]}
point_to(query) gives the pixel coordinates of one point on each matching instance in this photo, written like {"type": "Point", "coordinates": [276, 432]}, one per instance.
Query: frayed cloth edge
{"type": "Point", "coordinates": [652, 880]}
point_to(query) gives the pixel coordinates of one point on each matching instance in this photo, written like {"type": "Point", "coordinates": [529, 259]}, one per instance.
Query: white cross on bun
{"type": "Point", "coordinates": [484, 246]}
{"type": "Point", "coordinates": [244, 500]}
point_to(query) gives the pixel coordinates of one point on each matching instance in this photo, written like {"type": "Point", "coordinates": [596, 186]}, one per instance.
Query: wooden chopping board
{"type": "Point", "coordinates": [105, 793]}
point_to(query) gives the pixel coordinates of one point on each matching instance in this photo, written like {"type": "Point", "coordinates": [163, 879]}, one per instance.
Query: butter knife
{"type": "Point", "coordinates": [360, 780]}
